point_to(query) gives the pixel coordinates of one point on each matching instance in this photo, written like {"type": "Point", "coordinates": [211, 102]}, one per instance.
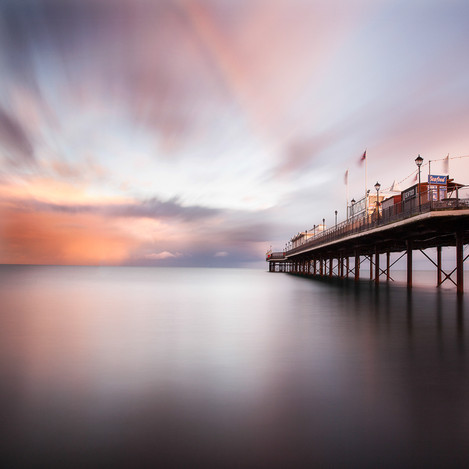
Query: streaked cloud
{"type": "Point", "coordinates": [214, 126]}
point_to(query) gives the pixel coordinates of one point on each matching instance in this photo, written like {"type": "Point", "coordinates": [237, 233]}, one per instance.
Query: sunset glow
{"type": "Point", "coordinates": [199, 132]}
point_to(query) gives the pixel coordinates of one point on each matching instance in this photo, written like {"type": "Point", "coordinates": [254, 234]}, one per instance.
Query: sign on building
{"type": "Point", "coordinates": [409, 193]}
{"type": "Point", "coordinates": [434, 179]}
{"type": "Point", "coordinates": [437, 186]}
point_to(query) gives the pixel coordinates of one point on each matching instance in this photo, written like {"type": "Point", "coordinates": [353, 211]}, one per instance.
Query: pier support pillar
{"type": "Point", "coordinates": [388, 266]}
{"type": "Point", "coordinates": [357, 266]}
{"type": "Point", "coordinates": [321, 267]}
{"type": "Point", "coordinates": [371, 267]}
{"type": "Point", "coordinates": [438, 266]}
{"type": "Point", "coordinates": [459, 262]}
{"type": "Point", "coordinates": [409, 263]}
{"type": "Point", "coordinates": [376, 266]}
{"type": "Point", "coordinates": [330, 266]}
{"type": "Point", "coordinates": [314, 266]}
{"type": "Point", "coordinates": [347, 270]}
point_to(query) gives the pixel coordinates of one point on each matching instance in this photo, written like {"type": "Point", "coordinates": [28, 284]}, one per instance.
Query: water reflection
{"type": "Point", "coordinates": [177, 367]}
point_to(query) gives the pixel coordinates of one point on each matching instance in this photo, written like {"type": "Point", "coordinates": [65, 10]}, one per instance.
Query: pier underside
{"type": "Point", "coordinates": [341, 253]}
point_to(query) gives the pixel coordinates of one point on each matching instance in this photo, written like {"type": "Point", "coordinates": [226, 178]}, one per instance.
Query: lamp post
{"type": "Point", "coordinates": [418, 162]}
{"type": "Point", "coordinates": [377, 187]}
{"type": "Point", "coordinates": [323, 224]}
{"type": "Point", "coordinates": [335, 219]}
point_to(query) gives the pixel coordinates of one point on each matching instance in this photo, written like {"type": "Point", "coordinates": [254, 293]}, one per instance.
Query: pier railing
{"type": "Point", "coordinates": [362, 223]}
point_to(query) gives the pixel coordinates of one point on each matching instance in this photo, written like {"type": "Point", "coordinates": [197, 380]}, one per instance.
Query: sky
{"type": "Point", "coordinates": [202, 132]}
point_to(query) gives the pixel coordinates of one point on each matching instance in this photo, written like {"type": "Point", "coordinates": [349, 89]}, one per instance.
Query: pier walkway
{"type": "Point", "coordinates": [340, 251]}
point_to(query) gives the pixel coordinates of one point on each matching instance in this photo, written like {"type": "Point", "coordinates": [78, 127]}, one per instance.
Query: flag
{"type": "Point", "coordinates": [346, 177]}
{"type": "Point", "coordinates": [416, 177]}
{"type": "Point", "coordinates": [363, 157]}
{"type": "Point", "coordinates": [446, 165]}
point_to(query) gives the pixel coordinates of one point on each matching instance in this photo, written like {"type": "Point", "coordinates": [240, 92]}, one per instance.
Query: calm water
{"type": "Point", "coordinates": [127, 367]}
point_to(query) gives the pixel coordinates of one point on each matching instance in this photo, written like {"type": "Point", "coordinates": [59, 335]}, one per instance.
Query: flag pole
{"type": "Point", "coordinates": [366, 193]}
{"type": "Point", "coordinates": [346, 194]}
{"type": "Point", "coordinates": [366, 158]}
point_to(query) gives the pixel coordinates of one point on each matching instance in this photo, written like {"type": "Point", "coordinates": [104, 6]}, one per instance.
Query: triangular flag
{"type": "Point", "coordinates": [446, 165]}
{"type": "Point", "coordinates": [363, 157]}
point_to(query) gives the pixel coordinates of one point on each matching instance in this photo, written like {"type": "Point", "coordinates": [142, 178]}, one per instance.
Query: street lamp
{"type": "Point", "coordinates": [323, 224]}
{"type": "Point", "coordinates": [336, 218]}
{"type": "Point", "coordinates": [418, 162]}
{"type": "Point", "coordinates": [377, 187]}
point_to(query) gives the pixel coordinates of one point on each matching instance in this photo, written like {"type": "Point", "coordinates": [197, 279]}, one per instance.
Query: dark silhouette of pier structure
{"type": "Point", "coordinates": [341, 250]}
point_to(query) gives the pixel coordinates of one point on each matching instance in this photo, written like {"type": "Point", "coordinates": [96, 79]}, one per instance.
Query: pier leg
{"type": "Point", "coordinates": [388, 266]}
{"type": "Point", "coordinates": [330, 266]}
{"type": "Point", "coordinates": [314, 266]}
{"type": "Point", "coordinates": [357, 266]}
{"type": "Point", "coordinates": [376, 266]}
{"type": "Point", "coordinates": [409, 263]}
{"type": "Point", "coordinates": [438, 266]}
{"type": "Point", "coordinates": [341, 266]}
{"type": "Point", "coordinates": [459, 262]}
{"type": "Point", "coordinates": [321, 267]}
{"type": "Point", "coordinates": [347, 270]}
{"type": "Point", "coordinates": [371, 267]}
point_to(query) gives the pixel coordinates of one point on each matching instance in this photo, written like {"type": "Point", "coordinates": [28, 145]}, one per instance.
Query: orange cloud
{"type": "Point", "coordinates": [58, 238]}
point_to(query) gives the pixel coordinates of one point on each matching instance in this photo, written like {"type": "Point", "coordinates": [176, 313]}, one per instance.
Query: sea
{"type": "Point", "coordinates": [105, 367]}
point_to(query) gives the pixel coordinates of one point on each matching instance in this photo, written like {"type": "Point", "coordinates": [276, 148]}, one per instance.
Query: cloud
{"type": "Point", "coordinates": [163, 255]}
{"type": "Point", "coordinates": [14, 137]}
{"type": "Point", "coordinates": [151, 208]}
{"type": "Point", "coordinates": [221, 254]}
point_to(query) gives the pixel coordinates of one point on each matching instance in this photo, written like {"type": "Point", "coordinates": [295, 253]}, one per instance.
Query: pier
{"type": "Point", "coordinates": [419, 223]}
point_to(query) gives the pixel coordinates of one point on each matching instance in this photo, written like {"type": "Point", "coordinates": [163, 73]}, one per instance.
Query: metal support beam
{"type": "Point", "coordinates": [388, 267]}
{"type": "Point", "coordinates": [460, 262]}
{"type": "Point", "coordinates": [438, 266]}
{"type": "Point", "coordinates": [376, 265]}
{"type": "Point", "coordinates": [409, 263]}
{"type": "Point", "coordinates": [357, 266]}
